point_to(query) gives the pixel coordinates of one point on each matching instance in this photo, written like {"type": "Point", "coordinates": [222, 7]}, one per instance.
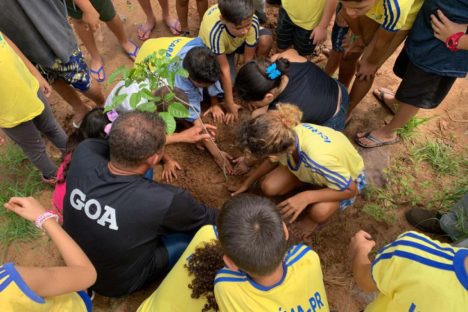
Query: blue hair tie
{"type": "Point", "coordinates": [273, 72]}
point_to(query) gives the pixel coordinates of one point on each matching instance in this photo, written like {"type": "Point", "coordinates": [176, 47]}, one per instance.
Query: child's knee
{"type": "Point", "coordinates": [322, 212]}
{"type": "Point", "coordinates": [268, 188]}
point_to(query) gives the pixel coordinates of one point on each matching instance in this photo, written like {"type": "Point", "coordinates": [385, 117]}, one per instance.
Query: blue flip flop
{"type": "Point", "coordinates": [135, 51]}
{"type": "Point", "coordinates": [100, 72]}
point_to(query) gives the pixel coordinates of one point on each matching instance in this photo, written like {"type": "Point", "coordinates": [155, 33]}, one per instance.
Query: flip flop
{"type": "Point", "coordinates": [100, 74]}
{"type": "Point", "coordinates": [144, 33]}
{"type": "Point", "coordinates": [173, 27]}
{"type": "Point", "coordinates": [377, 142]}
{"type": "Point", "coordinates": [379, 94]}
{"type": "Point", "coordinates": [132, 55]}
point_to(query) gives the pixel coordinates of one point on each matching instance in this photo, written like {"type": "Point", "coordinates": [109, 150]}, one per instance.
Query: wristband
{"type": "Point", "coordinates": [43, 217]}
{"type": "Point", "coordinates": [452, 42]}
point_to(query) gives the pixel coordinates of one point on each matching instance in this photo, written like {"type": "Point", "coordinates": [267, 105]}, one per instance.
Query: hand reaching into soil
{"type": "Point", "coordinates": [232, 114]}
{"type": "Point", "coordinates": [193, 135]}
{"type": "Point", "coordinates": [217, 112]}
{"type": "Point", "coordinates": [241, 167]}
{"type": "Point", "coordinates": [169, 172]}
{"type": "Point", "coordinates": [26, 207]}
{"type": "Point", "coordinates": [223, 160]}
{"type": "Point", "coordinates": [361, 244]}
{"type": "Point", "coordinates": [293, 206]}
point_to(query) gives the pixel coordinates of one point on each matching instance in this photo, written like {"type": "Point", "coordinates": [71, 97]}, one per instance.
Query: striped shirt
{"type": "Point", "coordinates": [394, 15]}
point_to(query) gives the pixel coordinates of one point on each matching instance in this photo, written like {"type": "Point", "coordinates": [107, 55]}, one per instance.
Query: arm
{"type": "Point", "coordinates": [361, 245]}
{"type": "Point", "coordinates": [226, 83]}
{"type": "Point", "coordinates": [43, 84]}
{"type": "Point", "coordinates": [444, 28]}
{"type": "Point", "coordinates": [170, 167]}
{"type": "Point", "coordinates": [265, 167]}
{"type": "Point", "coordinates": [319, 33]}
{"type": "Point", "coordinates": [90, 15]}
{"type": "Point", "coordinates": [192, 135]}
{"type": "Point", "coordinates": [249, 53]}
{"type": "Point", "coordinates": [78, 274]}
{"type": "Point", "coordinates": [215, 110]}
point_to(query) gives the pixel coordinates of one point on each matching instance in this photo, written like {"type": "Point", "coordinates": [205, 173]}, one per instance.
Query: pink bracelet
{"type": "Point", "coordinates": [43, 217]}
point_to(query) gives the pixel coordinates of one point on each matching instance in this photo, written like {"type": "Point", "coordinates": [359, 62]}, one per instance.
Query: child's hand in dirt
{"type": "Point", "coordinates": [232, 113]}
{"type": "Point", "coordinates": [169, 172]}
{"type": "Point", "coordinates": [26, 207]}
{"type": "Point", "coordinates": [361, 244]}
{"type": "Point", "coordinates": [217, 112]}
{"type": "Point", "coordinates": [197, 133]}
{"type": "Point", "coordinates": [223, 160]}
{"type": "Point", "coordinates": [241, 166]}
{"type": "Point", "coordinates": [236, 190]}
{"type": "Point", "coordinates": [444, 28]}
{"type": "Point", "coordinates": [293, 206]}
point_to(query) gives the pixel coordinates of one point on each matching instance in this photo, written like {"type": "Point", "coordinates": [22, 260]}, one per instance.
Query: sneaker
{"type": "Point", "coordinates": [425, 220]}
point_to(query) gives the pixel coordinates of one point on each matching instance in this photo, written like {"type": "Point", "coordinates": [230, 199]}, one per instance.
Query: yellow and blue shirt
{"type": "Point", "coordinates": [15, 295]}
{"type": "Point", "coordinates": [18, 89]}
{"type": "Point", "coordinates": [173, 293]}
{"type": "Point", "coordinates": [416, 273]}
{"type": "Point", "coordinates": [216, 36]}
{"type": "Point", "coordinates": [394, 15]}
{"type": "Point", "coordinates": [172, 46]}
{"type": "Point", "coordinates": [326, 157]}
{"type": "Point", "coordinates": [300, 289]}
{"type": "Point", "coordinates": [306, 14]}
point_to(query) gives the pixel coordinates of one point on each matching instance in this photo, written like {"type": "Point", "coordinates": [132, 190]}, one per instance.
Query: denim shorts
{"type": "Point", "coordinates": [75, 72]}
{"type": "Point", "coordinates": [338, 121]}
{"type": "Point", "coordinates": [361, 184]}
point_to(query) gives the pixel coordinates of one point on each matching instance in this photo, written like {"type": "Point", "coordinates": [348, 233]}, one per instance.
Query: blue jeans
{"type": "Point", "coordinates": [338, 121]}
{"type": "Point", "coordinates": [175, 245]}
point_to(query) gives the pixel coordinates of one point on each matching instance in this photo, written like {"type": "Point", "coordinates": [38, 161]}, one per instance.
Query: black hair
{"type": "Point", "coordinates": [91, 127]}
{"type": "Point", "coordinates": [252, 81]}
{"type": "Point", "coordinates": [251, 234]}
{"type": "Point", "coordinates": [135, 136]}
{"type": "Point", "coordinates": [236, 11]}
{"type": "Point", "coordinates": [202, 66]}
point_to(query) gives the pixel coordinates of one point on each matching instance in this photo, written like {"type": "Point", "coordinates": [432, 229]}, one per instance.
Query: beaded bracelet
{"type": "Point", "coordinates": [43, 217]}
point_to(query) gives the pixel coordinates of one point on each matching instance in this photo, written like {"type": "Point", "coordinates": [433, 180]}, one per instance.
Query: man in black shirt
{"type": "Point", "coordinates": [127, 225]}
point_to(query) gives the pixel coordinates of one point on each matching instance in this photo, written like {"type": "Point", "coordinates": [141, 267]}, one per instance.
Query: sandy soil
{"type": "Point", "coordinates": [204, 179]}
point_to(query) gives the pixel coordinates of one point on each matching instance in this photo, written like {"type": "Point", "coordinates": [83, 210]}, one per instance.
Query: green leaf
{"type": "Point", "coordinates": [178, 110]}
{"type": "Point", "coordinates": [169, 97]}
{"type": "Point", "coordinates": [135, 98]}
{"type": "Point", "coordinates": [182, 72]}
{"type": "Point", "coordinates": [146, 94]}
{"type": "Point", "coordinates": [118, 90]}
{"type": "Point", "coordinates": [147, 107]}
{"type": "Point", "coordinates": [118, 99]}
{"type": "Point", "coordinates": [119, 71]}
{"type": "Point", "coordinates": [169, 121]}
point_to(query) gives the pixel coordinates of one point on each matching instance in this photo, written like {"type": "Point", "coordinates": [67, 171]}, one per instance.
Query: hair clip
{"type": "Point", "coordinates": [273, 72]}
{"type": "Point", "coordinates": [112, 115]}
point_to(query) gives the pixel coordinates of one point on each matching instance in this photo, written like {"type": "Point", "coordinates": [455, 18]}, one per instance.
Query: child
{"type": "Point", "coordinates": [47, 289]}
{"type": "Point", "coordinates": [85, 14]}
{"type": "Point", "coordinates": [261, 272]}
{"type": "Point", "coordinates": [412, 273]}
{"type": "Point", "coordinates": [204, 73]}
{"type": "Point", "coordinates": [307, 154]}
{"type": "Point", "coordinates": [303, 24]}
{"type": "Point", "coordinates": [226, 29]}
{"type": "Point", "coordinates": [382, 26]}
{"type": "Point", "coordinates": [291, 78]}
{"type": "Point", "coordinates": [182, 13]}
{"type": "Point", "coordinates": [25, 114]}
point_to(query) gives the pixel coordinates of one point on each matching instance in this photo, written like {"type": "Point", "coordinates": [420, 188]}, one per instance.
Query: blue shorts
{"type": "Point", "coordinates": [337, 37]}
{"type": "Point", "coordinates": [361, 184]}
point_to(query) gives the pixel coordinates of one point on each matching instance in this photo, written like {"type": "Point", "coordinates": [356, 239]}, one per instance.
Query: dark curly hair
{"type": "Point", "coordinates": [203, 265]}
{"type": "Point", "coordinates": [202, 66]}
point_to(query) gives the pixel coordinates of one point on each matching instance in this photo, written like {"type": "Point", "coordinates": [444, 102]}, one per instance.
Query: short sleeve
{"type": "Point", "coordinates": [193, 94]}
{"type": "Point", "coordinates": [215, 89]}
{"type": "Point", "coordinates": [254, 33]}
{"type": "Point", "coordinates": [395, 14]}
{"type": "Point", "coordinates": [216, 43]}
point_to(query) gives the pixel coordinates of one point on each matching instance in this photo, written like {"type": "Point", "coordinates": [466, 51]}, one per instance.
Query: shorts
{"type": "Point", "coordinates": [75, 72]}
{"type": "Point", "coordinates": [289, 34]}
{"type": "Point", "coordinates": [105, 8]}
{"type": "Point", "coordinates": [338, 121]}
{"type": "Point", "coordinates": [419, 88]}
{"type": "Point", "coordinates": [339, 32]}
{"type": "Point", "coordinates": [361, 184]}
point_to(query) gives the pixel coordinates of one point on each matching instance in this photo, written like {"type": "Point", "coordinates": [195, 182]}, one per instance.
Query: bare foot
{"type": "Point", "coordinates": [173, 24]}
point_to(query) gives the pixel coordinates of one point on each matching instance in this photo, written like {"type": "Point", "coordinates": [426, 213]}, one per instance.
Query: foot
{"type": "Point", "coordinates": [131, 48]}
{"type": "Point", "coordinates": [425, 220]}
{"type": "Point", "coordinates": [144, 30]}
{"type": "Point", "coordinates": [375, 138]}
{"type": "Point", "coordinates": [173, 25]}
{"type": "Point", "coordinates": [97, 70]}
{"type": "Point", "coordinates": [387, 98]}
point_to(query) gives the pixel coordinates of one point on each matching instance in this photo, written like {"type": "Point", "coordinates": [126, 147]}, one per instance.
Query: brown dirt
{"type": "Point", "coordinates": [203, 178]}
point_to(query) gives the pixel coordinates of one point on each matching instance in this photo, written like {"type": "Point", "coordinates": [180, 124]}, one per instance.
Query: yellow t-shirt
{"type": "Point", "coordinates": [416, 273]}
{"type": "Point", "coordinates": [15, 295]}
{"type": "Point", "coordinates": [300, 289]}
{"type": "Point", "coordinates": [18, 89]}
{"type": "Point", "coordinates": [173, 293]}
{"type": "Point", "coordinates": [395, 15]}
{"type": "Point", "coordinates": [326, 157]}
{"type": "Point", "coordinates": [216, 36]}
{"type": "Point", "coordinates": [172, 45]}
{"type": "Point", "coordinates": [305, 13]}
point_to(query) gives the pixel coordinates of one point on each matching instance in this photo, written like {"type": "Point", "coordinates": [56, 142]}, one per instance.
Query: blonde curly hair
{"type": "Point", "coordinates": [271, 133]}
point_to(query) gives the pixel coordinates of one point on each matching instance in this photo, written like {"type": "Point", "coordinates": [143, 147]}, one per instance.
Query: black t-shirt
{"type": "Point", "coordinates": [312, 90]}
{"type": "Point", "coordinates": [118, 220]}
